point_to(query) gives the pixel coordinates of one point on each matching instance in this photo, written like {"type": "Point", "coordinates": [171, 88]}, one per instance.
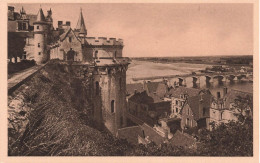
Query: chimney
{"type": "Point", "coordinates": [68, 23]}
{"type": "Point", "coordinates": [59, 24]}
{"type": "Point", "coordinates": [225, 90]}
{"type": "Point", "coordinates": [218, 95]}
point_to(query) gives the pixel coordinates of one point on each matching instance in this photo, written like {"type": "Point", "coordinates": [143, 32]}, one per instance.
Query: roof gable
{"type": "Point", "coordinates": [66, 33]}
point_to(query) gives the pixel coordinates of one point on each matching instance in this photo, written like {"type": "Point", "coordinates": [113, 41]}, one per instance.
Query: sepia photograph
{"type": "Point", "coordinates": [131, 79]}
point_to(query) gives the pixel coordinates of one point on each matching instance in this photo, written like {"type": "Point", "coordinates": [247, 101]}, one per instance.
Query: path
{"type": "Point", "coordinates": [17, 79]}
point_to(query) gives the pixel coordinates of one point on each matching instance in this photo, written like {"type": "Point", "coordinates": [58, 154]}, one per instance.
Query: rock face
{"type": "Point", "coordinates": [18, 113]}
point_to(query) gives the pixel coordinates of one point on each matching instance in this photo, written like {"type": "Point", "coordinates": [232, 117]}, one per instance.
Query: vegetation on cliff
{"type": "Point", "coordinates": [60, 124]}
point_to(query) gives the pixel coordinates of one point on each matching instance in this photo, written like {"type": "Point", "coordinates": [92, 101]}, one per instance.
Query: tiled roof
{"type": "Point", "coordinates": [141, 98]}
{"type": "Point", "coordinates": [233, 94]}
{"type": "Point", "coordinates": [182, 139]}
{"type": "Point", "coordinates": [152, 86]}
{"type": "Point", "coordinates": [130, 133]}
{"type": "Point", "coordinates": [153, 135]}
{"type": "Point", "coordinates": [176, 92]}
{"type": "Point", "coordinates": [161, 90]}
{"type": "Point", "coordinates": [195, 102]}
{"type": "Point", "coordinates": [130, 88]}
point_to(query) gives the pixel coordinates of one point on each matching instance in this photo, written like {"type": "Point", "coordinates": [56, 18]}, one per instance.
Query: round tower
{"type": "Point", "coordinates": [40, 38]}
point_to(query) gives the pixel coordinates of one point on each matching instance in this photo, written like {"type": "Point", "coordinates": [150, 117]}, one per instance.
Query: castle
{"type": "Point", "coordinates": [102, 55]}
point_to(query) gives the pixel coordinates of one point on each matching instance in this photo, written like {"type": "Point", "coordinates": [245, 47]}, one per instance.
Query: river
{"type": "Point", "coordinates": [150, 69]}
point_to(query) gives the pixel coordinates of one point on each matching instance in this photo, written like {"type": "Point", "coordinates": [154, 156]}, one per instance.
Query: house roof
{"type": "Point", "coordinates": [141, 98]}
{"type": "Point", "coordinates": [130, 133]}
{"type": "Point", "coordinates": [65, 34]}
{"type": "Point", "coordinates": [152, 86]}
{"type": "Point", "coordinates": [233, 94]}
{"type": "Point", "coordinates": [153, 135]}
{"type": "Point", "coordinates": [182, 139]}
{"type": "Point", "coordinates": [194, 103]}
{"type": "Point", "coordinates": [131, 88]}
{"type": "Point", "coordinates": [176, 92]}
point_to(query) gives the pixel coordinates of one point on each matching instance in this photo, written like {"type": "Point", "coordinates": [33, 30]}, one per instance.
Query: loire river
{"type": "Point", "coordinates": [149, 69]}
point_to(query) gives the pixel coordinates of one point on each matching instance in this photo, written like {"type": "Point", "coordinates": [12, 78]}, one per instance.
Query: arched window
{"type": "Point", "coordinates": [177, 110]}
{"type": "Point", "coordinates": [97, 88]}
{"type": "Point", "coordinates": [112, 106]}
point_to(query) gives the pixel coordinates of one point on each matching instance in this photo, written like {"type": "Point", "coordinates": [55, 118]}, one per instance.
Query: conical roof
{"type": "Point", "coordinates": [40, 16]}
{"type": "Point", "coordinates": [81, 24]}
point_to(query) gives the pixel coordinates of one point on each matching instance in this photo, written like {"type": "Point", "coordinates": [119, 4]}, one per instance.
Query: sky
{"type": "Point", "coordinates": [167, 29]}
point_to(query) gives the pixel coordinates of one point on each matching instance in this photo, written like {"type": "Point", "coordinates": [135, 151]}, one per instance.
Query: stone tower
{"type": "Point", "coordinates": [40, 38]}
{"type": "Point", "coordinates": [109, 95]}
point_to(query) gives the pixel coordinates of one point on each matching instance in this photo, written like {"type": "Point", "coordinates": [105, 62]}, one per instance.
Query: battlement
{"type": "Point", "coordinates": [104, 41]}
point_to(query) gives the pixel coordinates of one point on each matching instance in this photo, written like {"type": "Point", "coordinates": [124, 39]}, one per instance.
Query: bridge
{"type": "Point", "coordinates": [223, 76]}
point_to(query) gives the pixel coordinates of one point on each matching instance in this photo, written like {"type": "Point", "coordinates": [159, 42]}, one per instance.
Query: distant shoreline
{"type": "Point", "coordinates": [209, 60]}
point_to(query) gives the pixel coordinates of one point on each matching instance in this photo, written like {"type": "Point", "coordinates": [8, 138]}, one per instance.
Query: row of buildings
{"type": "Point", "coordinates": [167, 112]}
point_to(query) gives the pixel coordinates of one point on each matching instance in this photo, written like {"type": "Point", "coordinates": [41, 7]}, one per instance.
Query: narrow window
{"type": "Point", "coordinates": [96, 53]}
{"type": "Point", "coordinates": [187, 121]}
{"type": "Point", "coordinates": [19, 26]}
{"type": "Point", "coordinates": [97, 88]}
{"type": "Point", "coordinates": [112, 106]}
{"type": "Point", "coordinates": [39, 45]}
{"type": "Point", "coordinates": [188, 111]}
{"type": "Point", "coordinates": [221, 115]}
{"type": "Point", "coordinates": [204, 111]}
{"type": "Point", "coordinates": [143, 134]}
{"type": "Point", "coordinates": [115, 54]}
{"type": "Point", "coordinates": [24, 26]}
{"type": "Point", "coordinates": [120, 83]}
{"type": "Point", "coordinates": [38, 27]}
{"type": "Point", "coordinates": [177, 110]}
{"type": "Point", "coordinates": [176, 102]}
{"type": "Point", "coordinates": [39, 53]}
{"type": "Point", "coordinates": [70, 39]}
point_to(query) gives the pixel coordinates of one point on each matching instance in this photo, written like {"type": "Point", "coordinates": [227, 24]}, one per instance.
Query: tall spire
{"type": "Point", "coordinates": [22, 11]}
{"type": "Point", "coordinates": [40, 16]}
{"type": "Point", "coordinates": [81, 24]}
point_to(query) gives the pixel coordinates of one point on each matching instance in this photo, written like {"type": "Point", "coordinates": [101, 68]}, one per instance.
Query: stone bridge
{"type": "Point", "coordinates": [196, 78]}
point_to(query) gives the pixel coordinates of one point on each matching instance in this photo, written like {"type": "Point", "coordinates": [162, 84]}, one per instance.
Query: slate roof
{"type": "Point", "coordinates": [130, 88]}
{"type": "Point", "coordinates": [81, 24]}
{"type": "Point", "coordinates": [152, 86]}
{"type": "Point", "coordinates": [233, 94]}
{"type": "Point", "coordinates": [176, 92]}
{"type": "Point", "coordinates": [141, 98]}
{"type": "Point", "coordinates": [40, 16]}
{"type": "Point", "coordinates": [130, 134]}
{"type": "Point", "coordinates": [153, 135]}
{"type": "Point", "coordinates": [195, 102]}
{"type": "Point", "coordinates": [182, 139]}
